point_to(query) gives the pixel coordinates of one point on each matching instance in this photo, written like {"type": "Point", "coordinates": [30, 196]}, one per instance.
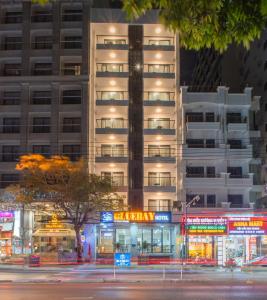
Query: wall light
{"type": "Point", "coordinates": [112, 165]}
{"type": "Point", "coordinates": [158, 30]}
{"type": "Point", "coordinates": [112, 82]}
{"type": "Point", "coordinates": [112, 29]}
{"type": "Point", "coordinates": [112, 109]}
{"type": "Point", "coordinates": [158, 138]}
{"type": "Point", "coordinates": [158, 165]}
{"type": "Point", "coordinates": [158, 110]}
{"type": "Point", "coordinates": [158, 55]}
{"type": "Point", "coordinates": [158, 82]}
{"type": "Point", "coordinates": [112, 137]}
{"type": "Point", "coordinates": [112, 55]}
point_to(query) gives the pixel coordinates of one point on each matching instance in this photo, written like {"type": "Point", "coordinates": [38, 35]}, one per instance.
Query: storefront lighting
{"type": "Point", "coordinates": [112, 29]}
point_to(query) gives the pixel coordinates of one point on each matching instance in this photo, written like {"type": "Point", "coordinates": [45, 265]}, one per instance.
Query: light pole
{"type": "Point", "coordinates": [187, 205]}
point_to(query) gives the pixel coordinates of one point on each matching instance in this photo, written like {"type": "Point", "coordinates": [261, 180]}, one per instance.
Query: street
{"type": "Point", "coordinates": [125, 291]}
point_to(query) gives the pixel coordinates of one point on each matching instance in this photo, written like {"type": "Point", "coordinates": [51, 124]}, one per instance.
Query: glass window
{"type": "Point", "coordinates": [13, 43]}
{"type": "Point", "coordinates": [115, 41]}
{"type": "Point", "coordinates": [72, 15]}
{"type": "Point", "coordinates": [10, 153]}
{"type": "Point", "coordinates": [159, 150]}
{"type": "Point", "coordinates": [164, 123]}
{"type": "Point", "coordinates": [41, 149]}
{"type": "Point", "coordinates": [13, 17]}
{"type": "Point", "coordinates": [43, 42]}
{"type": "Point", "coordinates": [112, 123]}
{"type": "Point", "coordinates": [159, 42]}
{"type": "Point", "coordinates": [72, 42]}
{"type": "Point", "coordinates": [42, 69]}
{"type": "Point", "coordinates": [123, 240]}
{"type": "Point", "coordinates": [41, 125]}
{"type": "Point", "coordinates": [235, 172]}
{"type": "Point", "coordinates": [73, 69]}
{"type": "Point", "coordinates": [211, 200]}
{"type": "Point", "coordinates": [72, 96]}
{"type": "Point", "coordinates": [12, 69]}
{"type": "Point", "coordinates": [160, 96]}
{"type": "Point", "coordinates": [110, 95]}
{"type": "Point", "coordinates": [72, 151]}
{"type": "Point", "coordinates": [8, 179]}
{"type": "Point", "coordinates": [159, 179]}
{"type": "Point", "coordinates": [11, 97]}
{"type": "Point", "coordinates": [109, 67]}
{"type": "Point", "coordinates": [157, 240]}
{"type": "Point", "coordinates": [236, 201]}
{"type": "Point", "coordinates": [41, 97]}
{"type": "Point", "coordinates": [72, 125]}
{"type": "Point", "coordinates": [11, 125]}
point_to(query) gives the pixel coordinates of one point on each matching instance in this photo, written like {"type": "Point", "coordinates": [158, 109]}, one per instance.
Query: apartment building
{"type": "Point", "coordinates": [133, 111]}
{"type": "Point", "coordinates": [217, 149]}
{"type": "Point", "coordinates": [44, 63]}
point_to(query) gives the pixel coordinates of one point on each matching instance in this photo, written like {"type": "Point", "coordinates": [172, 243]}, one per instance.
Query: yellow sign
{"type": "Point", "coordinates": [54, 223]}
{"type": "Point", "coordinates": [131, 216]}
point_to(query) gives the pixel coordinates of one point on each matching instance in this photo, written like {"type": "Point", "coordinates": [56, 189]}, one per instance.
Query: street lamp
{"type": "Point", "coordinates": [187, 205]}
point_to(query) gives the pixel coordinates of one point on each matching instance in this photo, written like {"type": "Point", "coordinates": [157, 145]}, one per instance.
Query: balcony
{"type": "Point", "coordinates": [218, 151]}
{"type": "Point", "coordinates": [199, 121]}
{"type": "Point", "coordinates": [235, 122]}
{"type": "Point", "coordinates": [159, 70]}
{"type": "Point", "coordinates": [111, 154]}
{"type": "Point", "coordinates": [203, 125]}
{"type": "Point", "coordinates": [113, 98]}
{"type": "Point", "coordinates": [160, 184]}
{"type": "Point", "coordinates": [12, 17]}
{"type": "Point", "coordinates": [112, 42]}
{"type": "Point", "coordinates": [241, 152]}
{"type": "Point", "coordinates": [159, 43]}
{"type": "Point", "coordinates": [73, 42]}
{"type": "Point", "coordinates": [200, 181]}
{"type": "Point", "coordinates": [245, 181]}
{"type": "Point", "coordinates": [12, 43]}
{"type": "Point", "coordinates": [112, 126]}
{"type": "Point", "coordinates": [71, 69]}
{"type": "Point", "coordinates": [42, 69]}
{"type": "Point", "coordinates": [119, 182]}
{"type": "Point", "coordinates": [159, 99]}
{"type": "Point", "coordinates": [111, 70]}
{"type": "Point", "coordinates": [72, 15]}
{"type": "Point", "coordinates": [159, 127]}
{"type": "Point", "coordinates": [159, 154]}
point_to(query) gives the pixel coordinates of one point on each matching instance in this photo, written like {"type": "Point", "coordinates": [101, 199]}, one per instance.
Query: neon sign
{"type": "Point", "coordinates": [135, 217]}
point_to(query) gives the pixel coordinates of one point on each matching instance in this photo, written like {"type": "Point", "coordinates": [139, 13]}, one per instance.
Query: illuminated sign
{"type": "Point", "coordinates": [6, 214]}
{"type": "Point", "coordinates": [247, 226]}
{"type": "Point", "coordinates": [122, 259]}
{"type": "Point", "coordinates": [54, 223]}
{"type": "Point", "coordinates": [135, 217]}
{"type": "Point", "coordinates": [205, 225]}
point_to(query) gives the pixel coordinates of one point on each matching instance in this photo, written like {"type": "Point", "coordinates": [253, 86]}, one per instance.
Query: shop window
{"type": "Point", "coordinates": [211, 200]}
{"type": "Point", "coordinates": [236, 201]}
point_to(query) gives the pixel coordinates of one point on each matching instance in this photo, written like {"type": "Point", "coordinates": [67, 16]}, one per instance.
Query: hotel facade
{"type": "Point", "coordinates": [81, 81]}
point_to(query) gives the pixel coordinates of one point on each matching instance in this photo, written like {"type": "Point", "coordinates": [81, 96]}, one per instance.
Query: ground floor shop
{"type": "Point", "coordinates": [146, 233]}
{"type": "Point", "coordinates": [6, 233]}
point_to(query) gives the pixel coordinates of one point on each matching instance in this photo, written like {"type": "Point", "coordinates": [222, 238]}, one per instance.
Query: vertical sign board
{"type": "Point", "coordinates": [122, 259]}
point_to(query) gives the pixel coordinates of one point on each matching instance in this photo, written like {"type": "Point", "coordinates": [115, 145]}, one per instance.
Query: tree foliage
{"type": "Point", "coordinates": [76, 195]}
{"type": "Point", "coordinates": [207, 23]}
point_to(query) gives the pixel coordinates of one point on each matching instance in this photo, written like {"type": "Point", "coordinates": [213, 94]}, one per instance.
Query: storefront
{"type": "Point", "coordinates": [225, 238]}
{"type": "Point", "coordinates": [138, 233]}
{"type": "Point", "coordinates": [54, 239]}
{"type": "Point", "coordinates": [6, 233]}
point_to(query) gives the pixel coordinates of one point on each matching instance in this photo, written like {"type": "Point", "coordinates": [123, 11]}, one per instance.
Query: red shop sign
{"type": "Point", "coordinates": [247, 225]}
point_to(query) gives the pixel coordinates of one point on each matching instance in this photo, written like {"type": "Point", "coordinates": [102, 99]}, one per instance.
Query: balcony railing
{"type": "Point", "coordinates": [158, 41]}
{"type": "Point", "coordinates": [159, 181]}
{"type": "Point", "coordinates": [111, 152]}
{"type": "Point", "coordinates": [111, 95]}
{"type": "Point", "coordinates": [158, 208]}
{"type": "Point", "coordinates": [74, 44]}
{"type": "Point", "coordinates": [159, 124]}
{"type": "Point", "coordinates": [71, 70]}
{"type": "Point", "coordinates": [39, 45]}
{"type": "Point", "coordinates": [14, 18]}
{"type": "Point", "coordinates": [112, 42]}
{"type": "Point", "coordinates": [42, 17]}
{"type": "Point", "coordinates": [117, 181]}
{"type": "Point", "coordinates": [159, 96]}
{"type": "Point", "coordinates": [42, 71]}
{"type": "Point", "coordinates": [236, 119]}
{"type": "Point", "coordinates": [111, 123]}
{"type": "Point", "coordinates": [159, 152]}
{"type": "Point", "coordinates": [159, 68]}
{"type": "Point", "coordinates": [111, 68]}
{"type": "Point", "coordinates": [73, 16]}
{"type": "Point", "coordinates": [16, 45]}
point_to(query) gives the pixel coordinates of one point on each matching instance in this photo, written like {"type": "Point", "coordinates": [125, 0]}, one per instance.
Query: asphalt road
{"type": "Point", "coordinates": [91, 291]}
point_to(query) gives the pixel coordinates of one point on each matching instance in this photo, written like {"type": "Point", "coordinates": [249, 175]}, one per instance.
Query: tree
{"type": "Point", "coordinates": [207, 23]}
{"type": "Point", "coordinates": [76, 195]}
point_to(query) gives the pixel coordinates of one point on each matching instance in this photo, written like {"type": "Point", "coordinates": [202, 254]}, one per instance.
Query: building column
{"type": "Point", "coordinates": [24, 118]}
{"type": "Point", "coordinates": [54, 119]}
{"type": "Point", "coordinates": [26, 41]}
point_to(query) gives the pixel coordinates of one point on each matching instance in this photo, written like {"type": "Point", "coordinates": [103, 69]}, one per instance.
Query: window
{"type": "Point", "coordinates": [72, 15]}
{"type": "Point", "coordinates": [211, 200]}
{"type": "Point", "coordinates": [116, 150]}
{"type": "Point", "coordinates": [210, 143]}
{"type": "Point", "coordinates": [159, 96]}
{"type": "Point", "coordinates": [72, 125]}
{"type": "Point", "coordinates": [160, 68]}
{"type": "Point", "coordinates": [210, 117]}
{"type": "Point", "coordinates": [106, 95]}
{"type": "Point", "coordinates": [236, 201]}
{"type": "Point", "coordinates": [41, 98]}
{"type": "Point", "coordinates": [72, 42]}
{"type": "Point", "coordinates": [199, 203]}
{"type": "Point", "coordinates": [13, 43]}
{"type": "Point", "coordinates": [195, 172]}
{"type": "Point", "coordinates": [42, 42]}
{"type": "Point", "coordinates": [42, 69]}
{"type": "Point", "coordinates": [10, 153]}
{"type": "Point", "coordinates": [234, 118]}
{"type": "Point", "coordinates": [159, 179]}
{"type": "Point", "coordinates": [117, 178]}
{"type": "Point", "coordinates": [12, 69]}
{"type": "Point", "coordinates": [41, 125]}
{"type": "Point", "coordinates": [195, 143]}
{"type": "Point", "coordinates": [11, 125]}
{"type": "Point", "coordinates": [211, 172]}
{"type": "Point", "coordinates": [235, 172]}
{"type": "Point", "coordinates": [12, 17]}
{"type": "Point", "coordinates": [41, 149]}
{"type": "Point", "coordinates": [235, 144]}
{"type": "Point", "coordinates": [159, 205]}
{"type": "Point", "coordinates": [159, 42]}
{"type": "Point", "coordinates": [41, 16]}
{"type": "Point", "coordinates": [159, 151]}
{"type": "Point", "coordinates": [8, 179]}
{"type": "Point", "coordinates": [110, 123]}
{"type": "Point", "coordinates": [71, 96]}
{"type": "Point", "coordinates": [11, 98]}
{"type": "Point", "coordinates": [73, 69]}
{"type": "Point", "coordinates": [194, 117]}
{"type": "Point", "coordinates": [72, 151]}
